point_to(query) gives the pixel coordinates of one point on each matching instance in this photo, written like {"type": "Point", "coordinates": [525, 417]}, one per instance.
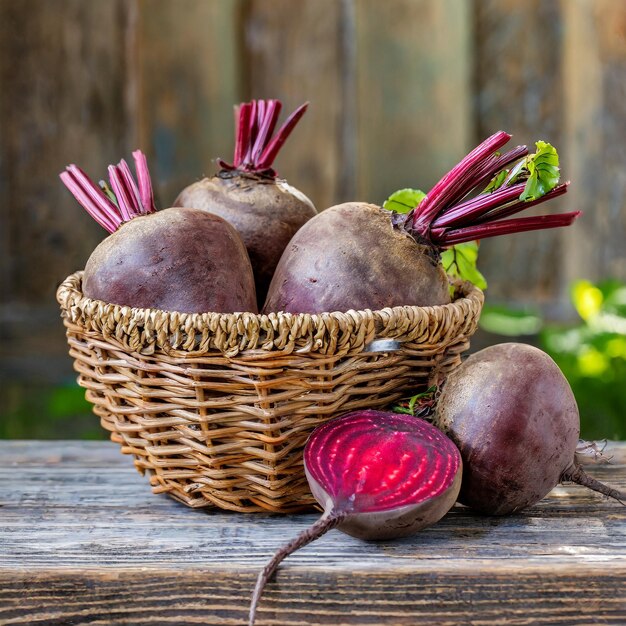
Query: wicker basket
{"type": "Point", "coordinates": [218, 407]}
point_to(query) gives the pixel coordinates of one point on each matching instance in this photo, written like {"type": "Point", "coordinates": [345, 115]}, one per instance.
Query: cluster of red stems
{"type": "Point", "coordinates": [445, 218]}
{"type": "Point", "coordinates": [255, 148]}
{"type": "Point", "coordinates": [131, 199]}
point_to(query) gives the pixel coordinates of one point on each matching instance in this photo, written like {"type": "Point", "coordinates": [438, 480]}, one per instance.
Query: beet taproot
{"type": "Point", "coordinates": [177, 259]}
{"type": "Point", "coordinates": [513, 416]}
{"type": "Point", "coordinates": [361, 256]}
{"type": "Point", "coordinates": [377, 475]}
{"type": "Point", "coordinates": [265, 210]}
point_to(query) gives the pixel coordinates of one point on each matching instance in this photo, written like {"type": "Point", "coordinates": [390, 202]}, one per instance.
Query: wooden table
{"type": "Point", "coordinates": [84, 541]}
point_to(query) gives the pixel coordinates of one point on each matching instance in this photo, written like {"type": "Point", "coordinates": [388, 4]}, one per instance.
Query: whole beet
{"type": "Point", "coordinates": [361, 256]}
{"type": "Point", "coordinates": [265, 210]}
{"type": "Point", "coordinates": [178, 259]}
{"type": "Point", "coordinates": [352, 256]}
{"type": "Point", "coordinates": [513, 416]}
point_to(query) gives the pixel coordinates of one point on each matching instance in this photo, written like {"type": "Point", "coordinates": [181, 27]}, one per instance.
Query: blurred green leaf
{"type": "Point", "coordinates": [66, 401]}
{"type": "Point", "coordinates": [592, 356]}
{"type": "Point", "coordinates": [502, 320]}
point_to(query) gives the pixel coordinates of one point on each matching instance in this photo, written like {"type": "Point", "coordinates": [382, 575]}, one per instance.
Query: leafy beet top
{"type": "Point", "coordinates": [376, 461]}
{"type": "Point", "coordinates": [510, 182]}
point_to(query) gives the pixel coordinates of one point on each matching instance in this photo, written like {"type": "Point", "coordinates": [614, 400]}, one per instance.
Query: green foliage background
{"type": "Point", "coordinates": [591, 353]}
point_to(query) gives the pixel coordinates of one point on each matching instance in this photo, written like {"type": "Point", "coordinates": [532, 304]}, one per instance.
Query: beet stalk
{"type": "Point", "coordinates": [377, 475]}
{"type": "Point", "coordinates": [265, 210]}
{"type": "Point", "coordinates": [361, 256]}
{"type": "Point", "coordinates": [513, 416]}
{"type": "Point", "coordinates": [177, 259]}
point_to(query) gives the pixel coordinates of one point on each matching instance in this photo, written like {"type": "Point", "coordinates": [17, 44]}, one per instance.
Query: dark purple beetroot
{"type": "Point", "coordinates": [513, 416]}
{"type": "Point", "coordinates": [361, 256]}
{"type": "Point", "coordinates": [352, 256]}
{"type": "Point", "coordinates": [177, 259]}
{"type": "Point", "coordinates": [377, 475]}
{"type": "Point", "coordinates": [265, 211]}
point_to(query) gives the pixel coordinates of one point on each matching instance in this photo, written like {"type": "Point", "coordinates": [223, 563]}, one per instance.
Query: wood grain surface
{"type": "Point", "coordinates": [83, 541]}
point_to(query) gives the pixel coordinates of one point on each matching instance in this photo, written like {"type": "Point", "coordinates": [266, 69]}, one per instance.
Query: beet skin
{"type": "Point", "coordinates": [513, 416]}
{"type": "Point", "coordinates": [178, 259]}
{"type": "Point", "coordinates": [266, 212]}
{"type": "Point", "coordinates": [352, 256]}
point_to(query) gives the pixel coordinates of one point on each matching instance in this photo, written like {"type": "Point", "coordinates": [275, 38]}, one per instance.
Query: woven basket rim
{"type": "Point", "coordinates": [152, 330]}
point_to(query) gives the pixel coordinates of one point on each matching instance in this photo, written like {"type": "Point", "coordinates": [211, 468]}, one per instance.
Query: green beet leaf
{"type": "Point", "coordinates": [543, 171]}
{"type": "Point", "coordinates": [460, 262]}
{"type": "Point", "coordinates": [404, 200]}
{"type": "Point", "coordinates": [497, 181]}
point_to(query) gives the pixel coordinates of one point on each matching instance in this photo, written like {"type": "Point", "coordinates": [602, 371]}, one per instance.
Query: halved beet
{"type": "Point", "coordinates": [376, 475]}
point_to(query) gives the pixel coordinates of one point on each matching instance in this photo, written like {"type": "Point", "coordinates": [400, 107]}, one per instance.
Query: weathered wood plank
{"type": "Point", "coordinates": [63, 70]}
{"type": "Point", "coordinates": [83, 540]}
{"type": "Point", "coordinates": [294, 51]}
{"type": "Point", "coordinates": [594, 50]}
{"type": "Point", "coordinates": [518, 62]}
{"type": "Point", "coordinates": [413, 92]}
{"type": "Point", "coordinates": [64, 75]}
{"type": "Point", "coordinates": [313, 596]}
{"type": "Point", "coordinates": [188, 67]}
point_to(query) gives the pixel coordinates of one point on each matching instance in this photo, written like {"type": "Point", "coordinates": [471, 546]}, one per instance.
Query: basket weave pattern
{"type": "Point", "coordinates": [218, 407]}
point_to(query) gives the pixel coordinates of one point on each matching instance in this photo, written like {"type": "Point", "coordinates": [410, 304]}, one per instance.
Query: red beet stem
{"type": "Point", "coordinates": [273, 148]}
{"type": "Point", "coordinates": [132, 199]}
{"type": "Point", "coordinates": [131, 187]}
{"type": "Point", "coordinates": [145, 184]}
{"type": "Point", "coordinates": [471, 209]}
{"type": "Point", "coordinates": [520, 205]}
{"type": "Point", "coordinates": [504, 227]}
{"type": "Point", "coordinates": [255, 149]}
{"type": "Point", "coordinates": [452, 184]}
{"type": "Point", "coordinates": [123, 195]}
{"type": "Point", "coordinates": [243, 133]}
{"type": "Point", "coordinates": [266, 128]}
{"type": "Point", "coordinates": [492, 166]}
{"type": "Point", "coordinates": [329, 520]}
{"type": "Point", "coordinates": [91, 198]}
{"type": "Point", "coordinates": [253, 124]}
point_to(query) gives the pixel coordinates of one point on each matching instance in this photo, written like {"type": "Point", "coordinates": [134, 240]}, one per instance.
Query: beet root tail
{"type": "Point", "coordinates": [577, 474]}
{"type": "Point", "coordinates": [327, 522]}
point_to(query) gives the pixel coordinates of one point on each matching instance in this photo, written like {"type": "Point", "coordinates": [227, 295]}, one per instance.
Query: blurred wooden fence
{"type": "Point", "coordinates": [399, 91]}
